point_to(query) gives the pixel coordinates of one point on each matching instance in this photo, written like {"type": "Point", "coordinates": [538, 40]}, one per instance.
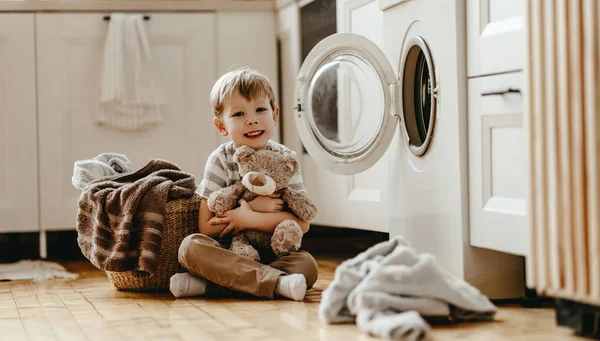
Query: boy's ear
{"type": "Point", "coordinates": [275, 115]}
{"type": "Point", "coordinates": [220, 126]}
{"type": "Point", "coordinates": [242, 152]}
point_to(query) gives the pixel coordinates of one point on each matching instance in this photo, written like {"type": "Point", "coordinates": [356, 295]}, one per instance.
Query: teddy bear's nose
{"type": "Point", "coordinates": [258, 179]}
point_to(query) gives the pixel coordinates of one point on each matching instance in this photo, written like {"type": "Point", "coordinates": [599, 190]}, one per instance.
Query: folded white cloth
{"type": "Point", "coordinates": [105, 164]}
{"type": "Point", "coordinates": [383, 288]}
{"type": "Point", "coordinates": [130, 95]}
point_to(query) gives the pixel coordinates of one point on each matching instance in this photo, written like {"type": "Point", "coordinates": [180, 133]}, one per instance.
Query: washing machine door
{"type": "Point", "coordinates": [345, 109]}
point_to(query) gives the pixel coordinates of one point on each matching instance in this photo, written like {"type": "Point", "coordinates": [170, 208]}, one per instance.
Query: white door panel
{"type": "Point", "coordinates": [18, 125]}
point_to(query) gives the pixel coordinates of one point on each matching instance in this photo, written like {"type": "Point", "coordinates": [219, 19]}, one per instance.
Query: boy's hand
{"type": "Point", "coordinates": [267, 203]}
{"type": "Point", "coordinates": [235, 219]}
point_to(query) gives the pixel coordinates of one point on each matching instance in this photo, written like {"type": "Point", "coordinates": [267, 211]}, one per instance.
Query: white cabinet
{"type": "Point", "coordinates": [498, 167]}
{"type": "Point", "coordinates": [359, 200]}
{"type": "Point", "coordinates": [495, 36]}
{"type": "Point", "coordinates": [69, 50]}
{"type": "Point", "coordinates": [18, 127]}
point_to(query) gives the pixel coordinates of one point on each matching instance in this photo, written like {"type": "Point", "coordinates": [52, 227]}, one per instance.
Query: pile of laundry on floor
{"type": "Point", "coordinates": [389, 288]}
{"type": "Point", "coordinates": [121, 212]}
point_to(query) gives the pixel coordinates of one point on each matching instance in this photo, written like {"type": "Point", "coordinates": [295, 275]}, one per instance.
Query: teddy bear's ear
{"type": "Point", "coordinates": [292, 164]}
{"type": "Point", "coordinates": [242, 152]}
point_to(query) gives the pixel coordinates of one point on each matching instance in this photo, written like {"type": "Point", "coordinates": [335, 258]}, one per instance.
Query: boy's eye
{"type": "Point", "coordinates": [261, 109]}
{"type": "Point", "coordinates": [239, 113]}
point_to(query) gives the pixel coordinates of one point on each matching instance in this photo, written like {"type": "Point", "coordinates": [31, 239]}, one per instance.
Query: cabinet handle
{"type": "Point", "coordinates": [501, 92]}
{"type": "Point", "coordinates": [107, 17]}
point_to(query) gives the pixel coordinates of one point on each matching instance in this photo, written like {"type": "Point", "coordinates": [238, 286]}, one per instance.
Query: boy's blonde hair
{"type": "Point", "coordinates": [247, 82]}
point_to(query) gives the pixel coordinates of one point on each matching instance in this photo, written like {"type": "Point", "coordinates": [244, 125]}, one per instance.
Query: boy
{"type": "Point", "coordinates": [245, 110]}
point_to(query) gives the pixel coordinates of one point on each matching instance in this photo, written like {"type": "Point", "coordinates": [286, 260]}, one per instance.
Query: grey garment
{"type": "Point", "coordinates": [377, 287]}
{"type": "Point", "coordinates": [105, 164]}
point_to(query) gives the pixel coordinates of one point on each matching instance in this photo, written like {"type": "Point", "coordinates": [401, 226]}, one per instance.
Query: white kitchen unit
{"type": "Point", "coordinates": [498, 145]}
{"type": "Point", "coordinates": [495, 36]}
{"type": "Point", "coordinates": [408, 99]}
{"type": "Point", "coordinates": [50, 91]}
{"type": "Point", "coordinates": [18, 126]}
{"type": "Point", "coordinates": [352, 200]}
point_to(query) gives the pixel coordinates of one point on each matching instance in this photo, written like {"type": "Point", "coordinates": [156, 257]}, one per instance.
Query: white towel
{"type": "Point", "coordinates": [383, 289]}
{"type": "Point", "coordinates": [130, 95]}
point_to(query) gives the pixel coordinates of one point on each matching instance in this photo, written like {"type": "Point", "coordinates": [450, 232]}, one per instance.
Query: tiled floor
{"type": "Point", "coordinates": [90, 309]}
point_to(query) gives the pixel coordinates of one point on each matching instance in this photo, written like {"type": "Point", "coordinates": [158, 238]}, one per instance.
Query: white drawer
{"type": "Point", "coordinates": [498, 164]}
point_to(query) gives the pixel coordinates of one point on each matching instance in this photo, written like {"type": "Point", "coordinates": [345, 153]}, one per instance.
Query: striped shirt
{"type": "Point", "coordinates": [221, 171]}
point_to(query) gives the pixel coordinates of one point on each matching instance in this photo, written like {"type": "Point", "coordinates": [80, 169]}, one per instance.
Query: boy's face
{"type": "Point", "coordinates": [249, 123]}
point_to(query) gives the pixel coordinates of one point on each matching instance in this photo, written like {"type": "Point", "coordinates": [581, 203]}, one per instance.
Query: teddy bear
{"type": "Point", "coordinates": [264, 172]}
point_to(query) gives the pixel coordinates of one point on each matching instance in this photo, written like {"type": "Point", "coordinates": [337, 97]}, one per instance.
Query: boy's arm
{"type": "Point", "coordinates": [204, 227]}
{"type": "Point", "coordinates": [243, 218]}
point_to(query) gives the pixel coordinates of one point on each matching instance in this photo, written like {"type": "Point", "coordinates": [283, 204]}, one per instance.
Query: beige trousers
{"type": "Point", "coordinates": [205, 257]}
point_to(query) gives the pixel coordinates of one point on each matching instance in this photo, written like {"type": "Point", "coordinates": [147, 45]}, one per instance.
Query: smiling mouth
{"type": "Point", "coordinates": [255, 133]}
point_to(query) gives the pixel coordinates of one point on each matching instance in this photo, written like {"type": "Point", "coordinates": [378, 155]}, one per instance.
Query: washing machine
{"type": "Point", "coordinates": [354, 101]}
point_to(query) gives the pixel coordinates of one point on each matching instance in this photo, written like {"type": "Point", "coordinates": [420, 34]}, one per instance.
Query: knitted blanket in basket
{"type": "Point", "coordinates": [120, 217]}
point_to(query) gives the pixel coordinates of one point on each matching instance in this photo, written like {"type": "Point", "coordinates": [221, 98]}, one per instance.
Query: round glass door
{"type": "Point", "coordinates": [344, 110]}
{"type": "Point", "coordinates": [419, 94]}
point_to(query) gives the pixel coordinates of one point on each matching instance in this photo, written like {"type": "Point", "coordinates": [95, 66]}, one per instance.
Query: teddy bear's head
{"type": "Point", "coordinates": [264, 171]}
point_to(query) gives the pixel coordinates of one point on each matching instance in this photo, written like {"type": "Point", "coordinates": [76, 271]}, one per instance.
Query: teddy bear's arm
{"type": "Point", "coordinates": [225, 199]}
{"type": "Point", "coordinates": [299, 203]}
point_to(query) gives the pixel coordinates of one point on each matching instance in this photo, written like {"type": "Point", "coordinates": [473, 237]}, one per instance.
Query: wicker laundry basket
{"type": "Point", "coordinates": [181, 220]}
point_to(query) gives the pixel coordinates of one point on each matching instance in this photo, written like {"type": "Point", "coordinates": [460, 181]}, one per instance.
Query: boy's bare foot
{"type": "Point", "coordinates": [292, 286]}
{"type": "Point", "coordinates": [186, 284]}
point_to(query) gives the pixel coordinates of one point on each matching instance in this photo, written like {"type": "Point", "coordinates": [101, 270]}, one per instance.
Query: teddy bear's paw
{"type": "Point", "coordinates": [245, 250]}
{"type": "Point", "coordinates": [286, 237]}
{"type": "Point", "coordinates": [300, 205]}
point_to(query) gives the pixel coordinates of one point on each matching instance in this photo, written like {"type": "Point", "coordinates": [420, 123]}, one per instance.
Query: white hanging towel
{"type": "Point", "coordinates": [130, 95]}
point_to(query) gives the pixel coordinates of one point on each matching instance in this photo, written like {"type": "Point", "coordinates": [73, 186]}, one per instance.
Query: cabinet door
{"type": "Point", "coordinates": [354, 201]}
{"type": "Point", "coordinates": [248, 39]}
{"type": "Point", "coordinates": [495, 36]}
{"type": "Point", "coordinates": [498, 168]}
{"type": "Point", "coordinates": [18, 135]}
{"type": "Point", "coordinates": [70, 50]}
